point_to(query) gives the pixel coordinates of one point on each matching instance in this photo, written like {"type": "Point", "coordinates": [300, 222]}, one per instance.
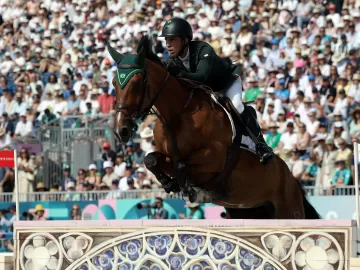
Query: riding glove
{"type": "Point", "coordinates": [173, 69]}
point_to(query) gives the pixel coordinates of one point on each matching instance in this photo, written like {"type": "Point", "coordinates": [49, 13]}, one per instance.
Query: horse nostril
{"type": "Point", "coordinates": [124, 132]}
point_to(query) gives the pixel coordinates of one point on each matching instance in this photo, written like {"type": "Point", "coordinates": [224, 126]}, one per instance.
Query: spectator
{"type": "Point", "coordinates": [195, 212]}
{"type": "Point", "coordinates": [312, 126]}
{"type": "Point", "coordinates": [344, 153]}
{"type": "Point", "coordinates": [130, 153]}
{"type": "Point", "coordinates": [71, 195]}
{"type": "Point", "coordinates": [303, 139]}
{"type": "Point", "coordinates": [72, 104]}
{"type": "Point", "coordinates": [123, 181]}
{"type": "Point", "coordinates": [106, 101]}
{"type": "Point", "coordinates": [130, 183]}
{"type": "Point", "coordinates": [24, 128]}
{"type": "Point", "coordinates": [39, 212]}
{"type": "Point", "coordinates": [9, 103]}
{"type": "Point", "coordinates": [120, 164]}
{"type": "Point", "coordinates": [109, 154]}
{"type": "Point", "coordinates": [20, 106]}
{"type": "Point", "coordinates": [7, 183]}
{"type": "Point", "coordinates": [6, 124]}
{"type": "Point", "coordinates": [94, 177]}
{"type": "Point", "coordinates": [67, 179]}
{"type": "Point", "coordinates": [310, 174]}
{"type": "Point", "coordinates": [354, 124]}
{"type": "Point", "coordinates": [115, 192]}
{"type": "Point", "coordinates": [139, 154]}
{"type": "Point", "coordinates": [287, 142]}
{"type": "Point", "coordinates": [319, 147]}
{"type": "Point", "coordinates": [146, 184]}
{"type": "Point", "coordinates": [60, 105]}
{"type": "Point", "coordinates": [5, 139]}
{"type": "Point", "coordinates": [342, 176]}
{"type": "Point", "coordinates": [296, 165]}
{"type": "Point", "coordinates": [253, 90]}
{"type": "Point", "coordinates": [273, 138]}
{"type": "Point", "coordinates": [160, 211]}
{"type": "Point", "coordinates": [81, 177]}
{"type": "Point", "coordinates": [281, 121]}
{"type": "Point", "coordinates": [48, 118]}
{"type": "Point", "coordinates": [140, 176]}
{"type": "Point", "coordinates": [9, 223]}
{"type": "Point", "coordinates": [328, 165]}
{"type": "Point", "coordinates": [25, 168]}
{"type": "Point", "coordinates": [146, 143]}
{"type": "Point", "coordinates": [110, 175]}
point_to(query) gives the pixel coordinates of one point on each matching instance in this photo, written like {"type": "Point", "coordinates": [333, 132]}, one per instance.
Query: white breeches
{"type": "Point", "coordinates": [234, 93]}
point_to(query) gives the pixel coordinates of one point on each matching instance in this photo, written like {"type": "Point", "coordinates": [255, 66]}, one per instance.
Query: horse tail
{"type": "Point", "coordinates": [310, 211]}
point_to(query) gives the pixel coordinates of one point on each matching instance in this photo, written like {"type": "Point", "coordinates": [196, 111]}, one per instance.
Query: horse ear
{"type": "Point", "coordinates": [140, 58]}
{"type": "Point", "coordinates": [116, 56]}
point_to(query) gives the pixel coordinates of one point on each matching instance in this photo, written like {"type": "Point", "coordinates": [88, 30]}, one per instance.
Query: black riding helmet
{"type": "Point", "coordinates": [177, 27]}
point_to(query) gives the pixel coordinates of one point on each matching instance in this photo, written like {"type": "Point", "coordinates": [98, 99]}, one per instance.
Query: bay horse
{"type": "Point", "coordinates": [194, 144]}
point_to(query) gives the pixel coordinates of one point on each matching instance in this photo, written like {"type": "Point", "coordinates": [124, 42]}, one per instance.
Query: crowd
{"type": "Point", "coordinates": [299, 58]}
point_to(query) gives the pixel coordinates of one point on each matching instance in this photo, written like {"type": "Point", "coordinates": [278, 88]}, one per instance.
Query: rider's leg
{"type": "Point", "coordinates": [248, 117]}
{"type": "Point", "coordinates": [153, 161]}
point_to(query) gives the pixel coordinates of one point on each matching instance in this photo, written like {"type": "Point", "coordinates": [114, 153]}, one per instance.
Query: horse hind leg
{"type": "Point", "coordinates": [153, 161]}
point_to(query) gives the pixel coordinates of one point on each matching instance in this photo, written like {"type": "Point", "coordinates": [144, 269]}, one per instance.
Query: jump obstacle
{"type": "Point", "coordinates": [185, 244]}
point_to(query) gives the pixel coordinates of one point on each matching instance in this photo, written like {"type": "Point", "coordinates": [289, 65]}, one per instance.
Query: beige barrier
{"type": "Point", "coordinates": [185, 244]}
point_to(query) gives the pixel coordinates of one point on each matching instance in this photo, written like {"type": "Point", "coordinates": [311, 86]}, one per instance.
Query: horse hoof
{"type": "Point", "coordinates": [192, 197]}
{"type": "Point", "coordinates": [172, 187]}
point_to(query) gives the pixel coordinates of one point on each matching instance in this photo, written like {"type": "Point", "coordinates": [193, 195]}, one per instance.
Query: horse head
{"type": "Point", "coordinates": [141, 82]}
{"type": "Point", "coordinates": [132, 101]}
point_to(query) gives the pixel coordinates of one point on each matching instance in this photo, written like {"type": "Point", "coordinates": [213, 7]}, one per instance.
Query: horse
{"type": "Point", "coordinates": [194, 144]}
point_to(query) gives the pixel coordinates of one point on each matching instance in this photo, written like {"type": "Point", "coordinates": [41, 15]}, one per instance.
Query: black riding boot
{"type": "Point", "coordinates": [249, 118]}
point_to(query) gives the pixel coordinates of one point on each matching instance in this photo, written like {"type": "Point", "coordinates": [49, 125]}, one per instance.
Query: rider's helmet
{"type": "Point", "coordinates": [177, 27]}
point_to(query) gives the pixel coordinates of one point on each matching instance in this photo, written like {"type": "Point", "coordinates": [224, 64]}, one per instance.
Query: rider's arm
{"type": "Point", "coordinates": [203, 68]}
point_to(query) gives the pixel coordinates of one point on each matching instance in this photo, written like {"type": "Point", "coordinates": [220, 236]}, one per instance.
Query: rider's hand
{"type": "Point", "coordinates": [173, 69]}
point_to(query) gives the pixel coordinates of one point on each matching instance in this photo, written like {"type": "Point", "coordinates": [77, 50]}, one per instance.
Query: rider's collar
{"type": "Point", "coordinates": [186, 58]}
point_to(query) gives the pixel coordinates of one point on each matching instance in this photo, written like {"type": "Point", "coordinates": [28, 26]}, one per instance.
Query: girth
{"type": "Point", "coordinates": [231, 161]}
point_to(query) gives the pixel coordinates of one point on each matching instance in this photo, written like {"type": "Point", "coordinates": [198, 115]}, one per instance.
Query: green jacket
{"type": "Point", "coordinates": [207, 67]}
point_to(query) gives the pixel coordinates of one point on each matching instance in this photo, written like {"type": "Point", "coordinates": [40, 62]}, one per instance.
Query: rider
{"type": "Point", "coordinates": [197, 61]}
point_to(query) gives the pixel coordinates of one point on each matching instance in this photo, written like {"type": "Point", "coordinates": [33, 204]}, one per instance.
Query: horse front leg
{"type": "Point", "coordinates": [199, 168]}
{"type": "Point", "coordinates": [157, 164]}
{"type": "Point", "coordinates": [181, 178]}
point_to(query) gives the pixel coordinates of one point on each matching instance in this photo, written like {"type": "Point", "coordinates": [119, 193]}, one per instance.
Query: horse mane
{"type": "Point", "coordinates": [155, 59]}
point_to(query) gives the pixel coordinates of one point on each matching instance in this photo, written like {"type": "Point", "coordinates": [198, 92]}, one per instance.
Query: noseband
{"type": "Point", "coordinates": [140, 114]}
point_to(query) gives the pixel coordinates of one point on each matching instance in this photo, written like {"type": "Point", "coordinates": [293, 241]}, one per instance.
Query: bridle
{"type": "Point", "coordinates": [140, 112]}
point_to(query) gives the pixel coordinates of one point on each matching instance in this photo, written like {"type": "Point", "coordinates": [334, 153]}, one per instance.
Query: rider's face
{"type": "Point", "coordinates": [173, 45]}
